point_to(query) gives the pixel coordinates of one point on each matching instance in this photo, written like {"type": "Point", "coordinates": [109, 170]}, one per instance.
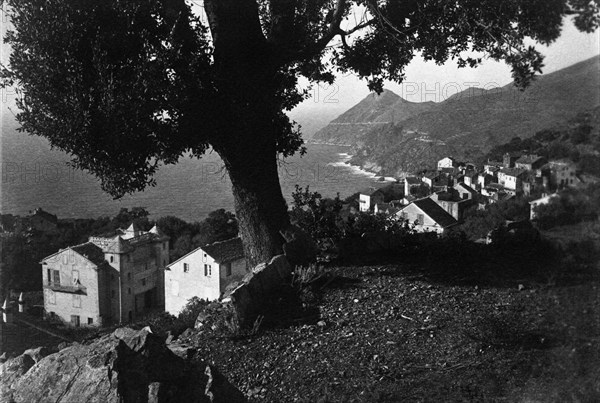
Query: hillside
{"type": "Point", "coordinates": [372, 113]}
{"type": "Point", "coordinates": [470, 122]}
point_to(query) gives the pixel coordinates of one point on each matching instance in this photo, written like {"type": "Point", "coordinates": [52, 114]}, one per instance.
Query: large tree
{"type": "Point", "coordinates": [127, 85]}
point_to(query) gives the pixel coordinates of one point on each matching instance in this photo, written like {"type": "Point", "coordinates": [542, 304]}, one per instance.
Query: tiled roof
{"type": "Point", "coordinates": [371, 192]}
{"type": "Point", "coordinates": [112, 245]}
{"type": "Point", "coordinates": [225, 251]}
{"type": "Point", "coordinates": [466, 187]}
{"type": "Point", "coordinates": [412, 180]}
{"type": "Point", "coordinates": [91, 252]}
{"type": "Point", "coordinates": [513, 171]}
{"type": "Point", "coordinates": [433, 210]}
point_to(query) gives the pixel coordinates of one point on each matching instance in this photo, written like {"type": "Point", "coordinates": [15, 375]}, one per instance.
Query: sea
{"type": "Point", "coordinates": [34, 175]}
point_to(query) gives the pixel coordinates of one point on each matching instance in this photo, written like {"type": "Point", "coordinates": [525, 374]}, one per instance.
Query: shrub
{"type": "Point", "coordinates": [318, 216]}
{"type": "Point", "coordinates": [191, 311]}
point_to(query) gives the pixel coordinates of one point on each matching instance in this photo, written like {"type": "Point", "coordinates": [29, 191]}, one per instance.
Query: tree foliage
{"type": "Point", "coordinates": [318, 216]}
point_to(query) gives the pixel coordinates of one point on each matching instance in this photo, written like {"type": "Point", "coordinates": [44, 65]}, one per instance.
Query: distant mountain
{"type": "Point", "coordinates": [392, 135]}
{"type": "Point", "coordinates": [373, 111]}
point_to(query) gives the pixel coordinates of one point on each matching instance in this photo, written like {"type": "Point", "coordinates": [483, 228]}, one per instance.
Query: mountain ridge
{"type": "Point", "coordinates": [468, 122]}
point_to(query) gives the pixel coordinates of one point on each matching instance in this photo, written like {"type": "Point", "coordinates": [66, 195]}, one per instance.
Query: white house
{"type": "Point", "coordinates": [511, 178]}
{"type": "Point", "coordinates": [538, 202]}
{"type": "Point", "coordinates": [426, 216]}
{"type": "Point", "coordinates": [447, 162]}
{"type": "Point", "coordinates": [367, 199]}
{"type": "Point", "coordinates": [205, 272]}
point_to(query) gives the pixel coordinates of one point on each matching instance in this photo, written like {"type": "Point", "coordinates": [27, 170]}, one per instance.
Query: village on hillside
{"type": "Point", "coordinates": [438, 200]}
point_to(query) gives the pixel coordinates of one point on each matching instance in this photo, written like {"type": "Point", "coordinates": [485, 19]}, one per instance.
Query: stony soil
{"type": "Point", "coordinates": [387, 334]}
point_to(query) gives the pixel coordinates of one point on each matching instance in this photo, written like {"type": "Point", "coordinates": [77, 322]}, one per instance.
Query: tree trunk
{"type": "Point", "coordinates": [245, 71]}
{"type": "Point", "coordinates": [259, 204]}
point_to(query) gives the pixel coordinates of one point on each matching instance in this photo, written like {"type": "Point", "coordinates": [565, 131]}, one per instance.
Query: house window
{"type": "Point", "coordinates": [206, 270]}
{"type": "Point", "coordinates": [75, 321]}
{"type": "Point", "coordinates": [128, 276]}
{"type": "Point", "coordinates": [90, 321]}
{"type": "Point", "coordinates": [186, 267]}
{"type": "Point", "coordinates": [143, 281]}
{"type": "Point", "coordinates": [227, 269]}
{"type": "Point", "coordinates": [53, 277]}
{"type": "Point", "coordinates": [420, 219]}
{"type": "Point", "coordinates": [75, 277]}
{"type": "Point", "coordinates": [76, 301]}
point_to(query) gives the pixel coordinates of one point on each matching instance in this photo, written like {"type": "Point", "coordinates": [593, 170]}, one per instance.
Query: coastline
{"type": "Point", "coordinates": [346, 161]}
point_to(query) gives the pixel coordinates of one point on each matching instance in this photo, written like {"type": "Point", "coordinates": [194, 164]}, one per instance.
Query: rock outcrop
{"type": "Point", "coordinates": [127, 366]}
{"type": "Point", "coordinates": [249, 297]}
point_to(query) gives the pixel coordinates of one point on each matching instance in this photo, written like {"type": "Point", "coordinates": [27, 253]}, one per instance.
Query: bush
{"type": "Point", "coordinates": [318, 216]}
{"type": "Point", "coordinates": [191, 311]}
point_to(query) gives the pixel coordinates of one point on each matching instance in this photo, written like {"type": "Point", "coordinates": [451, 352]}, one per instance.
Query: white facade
{"type": "Point", "coordinates": [198, 274]}
{"type": "Point", "coordinates": [418, 219]}
{"type": "Point", "coordinates": [447, 162]}
{"type": "Point", "coordinates": [73, 289]}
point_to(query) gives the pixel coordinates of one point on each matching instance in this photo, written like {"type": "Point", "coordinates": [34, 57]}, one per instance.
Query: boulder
{"type": "Point", "coordinates": [126, 366]}
{"type": "Point", "coordinates": [38, 353]}
{"type": "Point", "coordinates": [264, 281]}
{"type": "Point", "coordinates": [299, 247]}
{"type": "Point", "coordinates": [10, 372]}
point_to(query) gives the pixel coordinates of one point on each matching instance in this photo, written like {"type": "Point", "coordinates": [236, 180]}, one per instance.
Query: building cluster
{"type": "Point", "coordinates": [438, 200]}
{"type": "Point", "coordinates": [120, 277]}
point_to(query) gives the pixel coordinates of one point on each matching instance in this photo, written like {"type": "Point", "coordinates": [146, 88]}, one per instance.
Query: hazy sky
{"type": "Point", "coordinates": [426, 81]}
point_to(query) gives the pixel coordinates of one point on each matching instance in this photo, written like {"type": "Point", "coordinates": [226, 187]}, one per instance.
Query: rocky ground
{"type": "Point", "coordinates": [391, 333]}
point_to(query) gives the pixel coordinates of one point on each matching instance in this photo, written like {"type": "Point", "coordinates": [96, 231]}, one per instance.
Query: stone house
{"type": "Point", "coordinates": [454, 202]}
{"type": "Point", "coordinates": [470, 178]}
{"type": "Point", "coordinates": [205, 272]}
{"type": "Point", "coordinates": [368, 198]}
{"type": "Point", "coordinates": [530, 162]}
{"type": "Point", "coordinates": [425, 215]}
{"type": "Point", "coordinates": [509, 159]}
{"type": "Point", "coordinates": [492, 167]}
{"type": "Point", "coordinates": [109, 279]}
{"type": "Point", "coordinates": [562, 173]}
{"type": "Point", "coordinates": [511, 178]}
{"type": "Point", "coordinates": [435, 180]}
